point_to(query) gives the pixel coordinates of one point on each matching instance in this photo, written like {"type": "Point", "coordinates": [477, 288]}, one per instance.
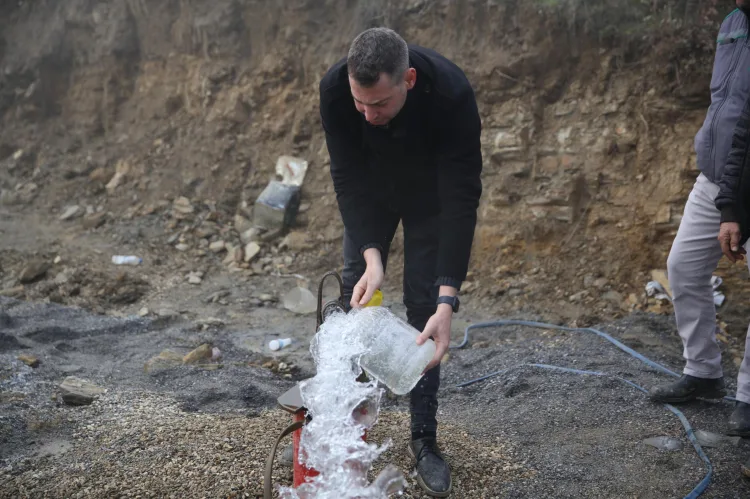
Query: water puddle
{"type": "Point", "coordinates": [342, 409]}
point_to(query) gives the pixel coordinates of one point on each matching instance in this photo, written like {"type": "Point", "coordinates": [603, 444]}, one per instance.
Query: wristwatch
{"type": "Point", "coordinates": [450, 300]}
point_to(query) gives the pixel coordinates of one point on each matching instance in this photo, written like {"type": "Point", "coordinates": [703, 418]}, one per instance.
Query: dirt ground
{"type": "Point", "coordinates": [149, 128]}
{"type": "Point", "coordinates": [196, 431]}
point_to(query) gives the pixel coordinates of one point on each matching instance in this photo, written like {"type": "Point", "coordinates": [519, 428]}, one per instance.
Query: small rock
{"type": "Point", "coordinates": [194, 278]}
{"type": "Point", "coordinates": [241, 224]}
{"type": "Point", "coordinates": [77, 391]}
{"type": "Point", "coordinates": [296, 241]}
{"type": "Point", "coordinates": [251, 251]}
{"type": "Point", "coordinates": [94, 221]}
{"type": "Point", "coordinates": [99, 174]}
{"type": "Point", "coordinates": [182, 205]}
{"type": "Point", "coordinates": [33, 271]}
{"type": "Point", "coordinates": [29, 360]}
{"type": "Point", "coordinates": [143, 312]}
{"type": "Point", "coordinates": [70, 212]}
{"type": "Point", "coordinates": [164, 360]}
{"type": "Point", "coordinates": [167, 312]}
{"type": "Point", "coordinates": [203, 352]}
{"type": "Point", "coordinates": [613, 296]}
{"type": "Point", "coordinates": [211, 321]}
{"type": "Point", "coordinates": [217, 246]}
{"type": "Point", "coordinates": [121, 170]}
{"type": "Point", "coordinates": [57, 259]}
{"type": "Point", "coordinates": [266, 297]}
{"type": "Point", "coordinates": [250, 235]}
{"type": "Point", "coordinates": [16, 292]}
{"type": "Point", "coordinates": [601, 283]}
{"type": "Point", "coordinates": [217, 295]}
{"type": "Point", "coordinates": [182, 247]}
{"type": "Point", "coordinates": [578, 296]}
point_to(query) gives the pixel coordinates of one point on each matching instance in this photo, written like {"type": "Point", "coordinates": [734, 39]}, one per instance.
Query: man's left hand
{"type": "Point", "coordinates": [439, 329]}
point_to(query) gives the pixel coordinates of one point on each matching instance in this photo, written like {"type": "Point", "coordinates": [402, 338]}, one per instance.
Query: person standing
{"type": "Point", "coordinates": [714, 223]}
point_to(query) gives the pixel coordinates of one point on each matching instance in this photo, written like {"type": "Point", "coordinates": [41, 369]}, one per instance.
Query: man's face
{"type": "Point", "coordinates": [743, 4]}
{"type": "Point", "coordinates": [381, 102]}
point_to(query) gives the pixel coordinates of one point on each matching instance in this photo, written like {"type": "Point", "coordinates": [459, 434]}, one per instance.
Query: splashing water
{"type": "Point", "coordinates": [342, 409]}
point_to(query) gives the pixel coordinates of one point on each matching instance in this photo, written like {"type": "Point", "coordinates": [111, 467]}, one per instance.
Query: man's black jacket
{"type": "Point", "coordinates": [733, 199]}
{"type": "Point", "coordinates": [427, 161]}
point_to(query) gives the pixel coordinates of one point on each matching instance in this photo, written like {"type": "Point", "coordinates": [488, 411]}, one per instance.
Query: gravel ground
{"type": "Point", "coordinates": [134, 444]}
{"type": "Point", "coordinates": [193, 432]}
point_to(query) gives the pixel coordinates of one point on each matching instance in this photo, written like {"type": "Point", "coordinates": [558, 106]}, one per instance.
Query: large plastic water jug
{"type": "Point", "coordinates": [392, 355]}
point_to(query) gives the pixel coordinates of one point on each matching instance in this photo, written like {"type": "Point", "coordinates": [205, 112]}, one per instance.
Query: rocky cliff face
{"type": "Point", "coordinates": [588, 116]}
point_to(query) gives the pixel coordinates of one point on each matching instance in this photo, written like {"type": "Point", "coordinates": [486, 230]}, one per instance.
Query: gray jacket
{"type": "Point", "coordinates": [730, 89]}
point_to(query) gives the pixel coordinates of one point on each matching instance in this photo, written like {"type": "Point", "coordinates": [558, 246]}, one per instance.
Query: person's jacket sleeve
{"type": "Point", "coordinates": [730, 201]}
{"type": "Point", "coordinates": [363, 224]}
{"type": "Point", "coordinates": [459, 157]}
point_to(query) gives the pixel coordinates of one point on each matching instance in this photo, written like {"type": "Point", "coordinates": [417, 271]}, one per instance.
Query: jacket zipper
{"type": "Point", "coordinates": [736, 55]}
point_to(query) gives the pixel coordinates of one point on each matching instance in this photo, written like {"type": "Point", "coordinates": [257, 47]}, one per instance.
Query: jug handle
{"type": "Point", "coordinates": [268, 478]}
{"type": "Point", "coordinates": [319, 316]}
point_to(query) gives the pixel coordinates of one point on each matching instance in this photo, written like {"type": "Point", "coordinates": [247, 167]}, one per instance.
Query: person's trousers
{"type": "Point", "coordinates": [420, 297]}
{"type": "Point", "coordinates": [694, 256]}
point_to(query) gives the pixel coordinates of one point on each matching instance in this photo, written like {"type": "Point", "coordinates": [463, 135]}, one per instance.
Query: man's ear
{"type": "Point", "coordinates": [410, 77]}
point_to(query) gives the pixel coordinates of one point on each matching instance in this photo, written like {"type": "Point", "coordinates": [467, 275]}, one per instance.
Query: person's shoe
{"type": "Point", "coordinates": [739, 421]}
{"type": "Point", "coordinates": [688, 388]}
{"type": "Point", "coordinates": [433, 473]}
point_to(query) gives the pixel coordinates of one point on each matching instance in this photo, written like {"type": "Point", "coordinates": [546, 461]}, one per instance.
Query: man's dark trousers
{"type": "Point", "coordinates": [421, 239]}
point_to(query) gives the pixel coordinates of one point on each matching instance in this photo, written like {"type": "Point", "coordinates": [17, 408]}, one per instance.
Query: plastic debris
{"type": "Point", "coordinates": [710, 439]}
{"type": "Point", "coordinates": [277, 206]}
{"type": "Point", "coordinates": [664, 443]}
{"type": "Point", "coordinates": [126, 260]}
{"type": "Point", "coordinates": [291, 170]}
{"type": "Point", "coordinates": [279, 344]}
{"type": "Point", "coordinates": [656, 290]}
{"type": "Point", "coordinates": [300, 301]}
{"type": "Point", "coordinates": [719, 297]}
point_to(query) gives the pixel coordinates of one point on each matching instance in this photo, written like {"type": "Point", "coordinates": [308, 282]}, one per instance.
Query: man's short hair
{"type": "Point", "coordinates": [376, 51]}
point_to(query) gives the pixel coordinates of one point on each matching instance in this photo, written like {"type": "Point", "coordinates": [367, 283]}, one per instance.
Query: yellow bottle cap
{"type": "Point", "coordinates": [376, 300]}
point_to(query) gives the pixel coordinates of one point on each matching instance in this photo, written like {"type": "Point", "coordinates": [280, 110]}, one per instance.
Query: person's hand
{"type": "Point", "coordinates": [729, 237]}
{"type": "Point", "coordinates": [439, 329]}
{"type": "Point", "coordinates": [371, 280]}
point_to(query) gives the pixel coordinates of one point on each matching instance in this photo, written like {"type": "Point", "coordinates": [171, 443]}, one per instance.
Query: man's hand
{"type": "Point", "coordinates": [729, 237]}
{"type": "Point", "coordinates": [371, 280]}
{"type": "Point", "coordinates": [439, 329]}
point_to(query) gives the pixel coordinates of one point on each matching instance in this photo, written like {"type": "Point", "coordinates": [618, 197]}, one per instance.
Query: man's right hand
{"type": "Point", "coordinates": [371, 280]}
{"type": "Point", "coordinates": [729, 237]}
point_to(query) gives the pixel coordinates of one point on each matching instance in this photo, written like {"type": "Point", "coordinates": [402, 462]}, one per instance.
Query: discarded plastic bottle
{"type": "Point", "coordinates": [392, 354]}
{"type": "Point", "coordinates": [279, 344]}
{"type": "Point", "coordinates": [126, 260]}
